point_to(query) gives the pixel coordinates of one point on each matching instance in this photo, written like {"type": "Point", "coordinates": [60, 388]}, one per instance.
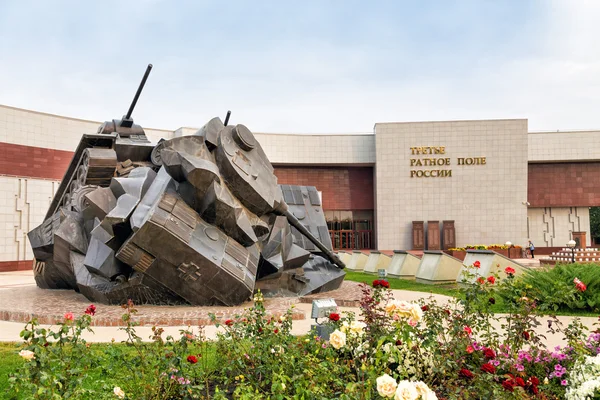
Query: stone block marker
{"type": "Point", "coordinates": [345, 256]}
{"type": "Point", "coordinates": [377, 261]}
{"type": "Point", "coordinates": [403, 265]}
{"type": "Point", "coordinates": [490, 263]}
{"type": "Point", "coordinates": [357, 261]}
{"type": "Point", "coordinates": [437, 267]}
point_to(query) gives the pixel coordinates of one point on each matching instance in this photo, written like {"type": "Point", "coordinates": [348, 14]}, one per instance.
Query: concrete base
{"type": "Point", "coordinates": [403, 265]}
{"type": "Point", "coordinates": [437, 267]}
{"type": "Point", "coordinates": [377, 261]}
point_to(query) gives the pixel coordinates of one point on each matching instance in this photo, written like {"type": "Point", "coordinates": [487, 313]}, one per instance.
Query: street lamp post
{"type": "Point", "coordinates": [572, 245]}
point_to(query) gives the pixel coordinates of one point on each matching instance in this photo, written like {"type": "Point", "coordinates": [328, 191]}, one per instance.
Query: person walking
{"type": "Point", "coordinates": [531, 248]}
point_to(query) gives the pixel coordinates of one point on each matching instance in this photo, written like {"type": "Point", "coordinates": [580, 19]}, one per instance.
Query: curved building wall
{"type": "Point", "coordinates": [557, 172]}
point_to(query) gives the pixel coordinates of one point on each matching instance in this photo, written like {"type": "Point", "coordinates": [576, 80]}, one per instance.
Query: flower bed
{"type": "Point", "coordinates": [392, 349]}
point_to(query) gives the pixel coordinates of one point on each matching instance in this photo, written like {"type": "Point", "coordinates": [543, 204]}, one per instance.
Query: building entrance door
{"type": "Point", "coordinates": [350, 230]}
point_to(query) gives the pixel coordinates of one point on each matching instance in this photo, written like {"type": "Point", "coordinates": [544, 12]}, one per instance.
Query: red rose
{"type": "Point", "coordinates": [465, 373]}
{"type": "Point", "coordinates": [468, 330]}
{"type": "Point", "coordinates": [470, 349]}
{"type": "Point", "coordinates": [69, 316]}
{"type": "Point", "coordinates": [489, 368]}
{"type": "Point", "coordinates": [447, 311]}
{"type": "Point", "coordinates": [491, 279]}
{"type": "Point", "coordinates": [534, 380]}
{"type": "Point", "coordinates": [534, 389]}
{"type": "Point", "coordinates": [229, 322]}
{"type": "Point", "coordinates": [334, 317]}
{"type": "Point", "coordinates": [520, 382]}
{"type": "Point", "coordinates": [526, 335]}
{"type": "Point", "coordinates": [489, 353]}
{"type": "Point", "coordinates": [398, 342]}
{"type": "Point", "coordinates": [509, 271]}
{"type": "Point", "coordinates": [492, 300]}
{"type": "Point", "coordinates": [91, 310]}
{"type": "Point", "coordinates": [425, 308]}
{"type": "Point", "coordinates": [508, 385]}
{"type": "Point", "coordinates": [385, 284]}
{"type": "Point", "coordinates": [192, 359]}
{"type": "Point", "coordinates": [275, 330]}
{"type": "Point", "coordinates": [476, 264]}
{"type": "Point", "coordinates": [376, 283]}
{"type": "Point", "coordinates": [579, 285]}
{"type": "Point", "coordinates": [481, 280]}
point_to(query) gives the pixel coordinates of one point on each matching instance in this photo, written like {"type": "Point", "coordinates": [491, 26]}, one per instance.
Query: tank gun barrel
{"type": "Point", "coordinates": [302, 229]}
{"type": "Point", "coordinates": [139, 91]}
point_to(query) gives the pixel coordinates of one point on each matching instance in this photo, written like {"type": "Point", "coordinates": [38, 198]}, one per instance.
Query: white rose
{"type": "Point", "coordinates": [357, 327]}
{"type": "Point", "coordinates": [429, 396]}
{"type": "Point", "coordinates": [337, 339]}
{"type": "Point", "coordinates": [26, 354]}
{"type": "Point", "coordinates": [424, 391]}
{"type": "Point", "coordinates": [386, 386]}
{"type": "Point", "coordinates": [119, 392]}
{"type": "Point", "coordinates": [406, 391]}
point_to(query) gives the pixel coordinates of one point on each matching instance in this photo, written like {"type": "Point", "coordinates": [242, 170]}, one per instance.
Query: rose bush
{"type": "Point", "coordinates": [390, 349]}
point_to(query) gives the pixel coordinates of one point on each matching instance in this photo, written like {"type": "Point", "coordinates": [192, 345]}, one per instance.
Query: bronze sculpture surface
{"type": "Point", "coordinates": [195, 219]}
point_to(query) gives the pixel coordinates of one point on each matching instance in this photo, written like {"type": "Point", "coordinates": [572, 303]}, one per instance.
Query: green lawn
{"type": "Point", "coordinates": [405, 284]}
{"type": "Point", "coordinates": [100, 375]}
{"type": "Point", "coordinates": [9, 361]}
{"type": "Point", "coordinates": [444, 289]}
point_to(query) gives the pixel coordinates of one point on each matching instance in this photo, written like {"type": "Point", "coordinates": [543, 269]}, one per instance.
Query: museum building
{"type": "Point", "coordinates": [407, 185]}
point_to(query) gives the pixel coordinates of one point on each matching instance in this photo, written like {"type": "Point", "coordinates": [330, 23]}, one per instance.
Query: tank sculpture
{"type": "Point", "coordinates": [196, 219]}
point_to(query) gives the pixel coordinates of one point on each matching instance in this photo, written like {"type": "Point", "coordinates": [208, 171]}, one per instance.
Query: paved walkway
{"type": "Point", "coordinates": [9, 331]}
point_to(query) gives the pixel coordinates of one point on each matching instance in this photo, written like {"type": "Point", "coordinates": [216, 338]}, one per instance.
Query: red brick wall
{"type": "Point", "coordinates": [344, 188]}
{"type": "Point", "coordinates": [16, 265]}
{"type": "Point", "coordinates": [564, 184]}
{"type": "Point", "coordinates": [33, 162]}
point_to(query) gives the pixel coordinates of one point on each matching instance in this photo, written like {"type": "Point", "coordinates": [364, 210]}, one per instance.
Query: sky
{"type": "Point", "coordinates": [306, 66]}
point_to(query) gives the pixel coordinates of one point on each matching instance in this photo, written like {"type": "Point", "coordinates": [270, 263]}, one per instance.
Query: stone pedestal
{"type": "Point", "coordinates": [418, 235]}
{"type": "Point", "coordinates": [449, 235]}
{"type": "Point", "coordinates": [403, 265]}
{"type": "Point", "coordinates": [433, 235]}
{"type": "Point", "coordinates": [376, 261]}
{"type": "Point", "coordinates": [580, 239]}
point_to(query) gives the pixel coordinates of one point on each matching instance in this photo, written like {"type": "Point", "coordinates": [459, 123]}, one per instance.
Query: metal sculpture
{"type": "Point", "coordinates": [196, 219]}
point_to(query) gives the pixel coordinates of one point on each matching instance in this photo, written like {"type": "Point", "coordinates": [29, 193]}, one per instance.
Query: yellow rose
{"type": "Point", "coordinates": [357, 327]}
{"type": "Point", "coordinates": [416, 314]}
{"type": "Point", "coordinates": [391, 307]}
{"type": "Point", "coordinates": [386, 386]}
{"type": "Point", "coordinates": [337, 339]}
